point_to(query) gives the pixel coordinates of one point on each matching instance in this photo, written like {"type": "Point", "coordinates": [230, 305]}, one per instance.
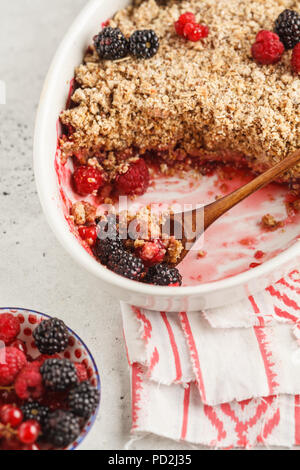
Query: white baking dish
{"type": "Point", "coordinates": [52, 101]}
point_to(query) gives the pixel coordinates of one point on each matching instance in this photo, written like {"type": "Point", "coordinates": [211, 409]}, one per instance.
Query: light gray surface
{"type": "Point", "coordinates": [35, 271]}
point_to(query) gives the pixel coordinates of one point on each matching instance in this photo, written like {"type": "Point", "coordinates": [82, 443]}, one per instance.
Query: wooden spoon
{"type": "Point", "coordinates": [191, 224]}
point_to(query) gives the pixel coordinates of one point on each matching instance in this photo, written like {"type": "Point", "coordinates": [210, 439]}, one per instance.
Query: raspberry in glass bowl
{"type": "Point", "coordinates": [49, 383]}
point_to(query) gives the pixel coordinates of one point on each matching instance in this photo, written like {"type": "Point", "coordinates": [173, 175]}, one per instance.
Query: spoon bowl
{"type": "Point", "coordinates": [192, 224]}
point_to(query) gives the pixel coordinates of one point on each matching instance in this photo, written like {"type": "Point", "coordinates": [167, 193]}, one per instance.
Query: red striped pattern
{"type": "Point", "coordinates": [186, 406]}
{"type": "Point", "coordinates": [284, 297]}
{"type": "Point", "coordinates": [194, 353]}
{"type": "Point", "coordinates": [174, 347]}
{"type": "Point", "coordinates": [257, 311]}
{"type": "Point", "coordinates": [267, 359]}
{"type": "Point", "coordinates": [137, 384]}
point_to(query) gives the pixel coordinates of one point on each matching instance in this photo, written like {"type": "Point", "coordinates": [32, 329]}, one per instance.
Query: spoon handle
{"type": "Point", "coordinates": [213, 211]}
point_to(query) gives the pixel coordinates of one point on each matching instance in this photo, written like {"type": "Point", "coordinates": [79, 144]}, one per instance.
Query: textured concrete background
{"type": "Point", "coordinates": [35, 271]}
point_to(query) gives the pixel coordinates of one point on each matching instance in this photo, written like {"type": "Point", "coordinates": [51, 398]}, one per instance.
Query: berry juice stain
{"type": "Point", "coordinates": [233, 241]}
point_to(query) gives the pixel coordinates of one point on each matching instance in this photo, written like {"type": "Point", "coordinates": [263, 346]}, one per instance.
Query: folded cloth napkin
{"type": "Point", "coordinates": [227, 377]}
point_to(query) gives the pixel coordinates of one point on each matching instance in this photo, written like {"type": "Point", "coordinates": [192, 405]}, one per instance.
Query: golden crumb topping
{"type": "Point", "coordinates": [198, 97]}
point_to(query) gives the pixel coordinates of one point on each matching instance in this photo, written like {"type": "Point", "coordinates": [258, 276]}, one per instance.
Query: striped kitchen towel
{"type": "Point", "coordinates": [228, 377]}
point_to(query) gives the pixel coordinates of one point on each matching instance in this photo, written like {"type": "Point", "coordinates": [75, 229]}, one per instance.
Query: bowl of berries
{"type": "Point", "coordinates": [49, 383]}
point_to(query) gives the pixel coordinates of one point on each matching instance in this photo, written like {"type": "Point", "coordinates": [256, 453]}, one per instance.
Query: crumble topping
{"type": "Point", "coordinates": [143, 226]}
{"type": "Point", "coordinates": [191, 98]}
{"type": "Point", "coordinates": [83, 213]}
{"type": "Point", "coordinates": [270, 223]}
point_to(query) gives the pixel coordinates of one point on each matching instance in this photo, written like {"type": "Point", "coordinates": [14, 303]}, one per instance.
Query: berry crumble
{"type": "Point", "coordinates": [176, 86]}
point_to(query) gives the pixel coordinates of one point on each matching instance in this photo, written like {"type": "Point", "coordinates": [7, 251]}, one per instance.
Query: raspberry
{"type": "Point", "coordinates": [152, 252]}
{"type": "Point", "coordinates": [9, 327]}
{"type": "Point", "coordinates": [144, 44]}
{"type": "Point", "coordinates": [28, 432]}
{"type": "Point", "coordinates": [83, 400]}
{"type": "Point", "coordinates": [87, 180]}
{"type": "Point", "coordinates": [296, 59]}
{"type": "Point", "coordinates": [265, 35]}
{"type": "Point", "coordinates": [179, 28]}
{"type": "Point", "coordinates": [10, 414]}
{"type": "Point", "coordinates": [35, 411]}
{"type": "Point", "coordinates": [267, 49]}
{"type": "Point", "coordinates": [88, 234]}
{"type": "Point", "coordinates": [20, 345]}
{"type": "Point", "coordinates": [111, 44]}
{"type": "Point", "coordinates": [185, 18]}
{"type": "Point", "coordinates": [61, 428]}
{"type": "Point", "coordinates": [28, 383]}
{"type": "Point", "coordinates": [195, 32]}
{"type": "Point", "coordinates": [135, 181]}
{"type": "Point", "coordinates": [51, 336]}
{"type": "Point", "coordinates": [81, 371]}
{"type": "Point", "coordinates": [13, 361]}
{"type": "Point", "coordinates": [59, 374]}
{"type": "Point", "coordinates": [287, 26]}
{"type": "Point", "coordinates": [163, 275]}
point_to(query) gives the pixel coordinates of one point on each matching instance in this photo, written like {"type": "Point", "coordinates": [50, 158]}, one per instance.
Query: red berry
{"type": "Point", "coordinates": [29, 383]}
{"type": "Point", "coordinates": [135, 181]}
{"type": "Point", "coordinates": [195, 32]}
{"type": "Point", "coordinates": [205, 30]}
{"type": "Point", "coordinates": [179, 28]}
{"type": "Point", "coordinates": [20, 345]}
{"type": "Point", "coordinates": [29, 431]}
{"type": "Point", "coordinates": [9, 327]}
{"type": "Point", "coordinates": [267, 49]}
{"type": "Point", "coordinates": [11, 363]}
{"type": "Point", "coordinates": [88, 234]}
{"type": "Point", "coordinates": [81, 370]}
{"type": "Point", "coordinates": [188, 29]}
{"type": "Point", "coordinates": [187, 17]}
{"type": "Point", "coordinates": [87, 180]}
{"type": "Point", "coordinates": [10, 414]}
{"type": "Point", "coordinates": [296, 58]}
{"type": "Point", "coordinates": [265, 35]}
{"type": "Point", "coordinates": [152, 252]}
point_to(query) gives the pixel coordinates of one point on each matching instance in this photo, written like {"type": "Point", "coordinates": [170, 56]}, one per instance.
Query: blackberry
{"type": "Point", "coordinates": [61, 428]}
{"type": "Point", "coordinates": [51, 336]}
{"type": "Point", "coordinates": [144, 44]}
{"type": "Point", "coordinates": [108, 238]}
{"type": "Point", "coordinates": [35, 411]}
{"type": "Point", "coordinates": [111, 44]}
{"type": "Point", "coordinates": [104, 248]}
{"type": "Point", "coordinates": [58, 374]}
{"type": "Point", "coordinates": [125, 264]}
{"type": "Point", "coordinates": [287, 26]}
{"type": "Point", "coordinates": [163, 275]}
{"type": "Point", "coordinates": [83, 400]}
